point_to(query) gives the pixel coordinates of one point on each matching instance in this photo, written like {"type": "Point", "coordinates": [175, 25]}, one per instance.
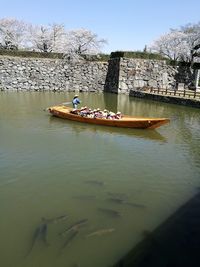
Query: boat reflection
{"type": "Point", "coordinates": [79, 127]}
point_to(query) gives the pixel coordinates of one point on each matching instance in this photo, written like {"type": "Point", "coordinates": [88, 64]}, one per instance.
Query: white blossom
{"type": "Point", "coordinates": [12, 33]}
{"type": "Point", "coordinates": [179, 44]}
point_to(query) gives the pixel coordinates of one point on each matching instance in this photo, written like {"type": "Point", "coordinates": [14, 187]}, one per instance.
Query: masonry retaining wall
{"type": "Point", "coordinates": [118, 75]}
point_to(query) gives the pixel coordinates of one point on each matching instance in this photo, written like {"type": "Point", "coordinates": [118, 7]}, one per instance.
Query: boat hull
{"type": "Point", "coordinates": [125, 122]}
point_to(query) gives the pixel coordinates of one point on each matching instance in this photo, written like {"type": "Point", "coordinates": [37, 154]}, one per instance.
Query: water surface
{"type": "Point", "coordinates": [127, 180]}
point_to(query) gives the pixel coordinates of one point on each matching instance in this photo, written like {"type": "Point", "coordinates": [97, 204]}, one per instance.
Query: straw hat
{"type": "Point", "coordinates": [76, 96]}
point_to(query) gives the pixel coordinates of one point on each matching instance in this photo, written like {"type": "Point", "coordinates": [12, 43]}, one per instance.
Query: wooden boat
{"type": "Point", "coordinates": [125, 122]}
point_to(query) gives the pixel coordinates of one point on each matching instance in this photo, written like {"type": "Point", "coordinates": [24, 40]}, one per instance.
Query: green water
{"type": "Point", "coordinates": [51, 167]}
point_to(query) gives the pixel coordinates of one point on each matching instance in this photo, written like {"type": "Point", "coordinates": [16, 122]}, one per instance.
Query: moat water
{"type": "Point", "coordinates": [117, 182]}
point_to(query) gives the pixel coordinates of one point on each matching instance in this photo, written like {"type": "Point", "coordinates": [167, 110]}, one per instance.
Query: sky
{"type": "Point", "coordinates": [127, 25]}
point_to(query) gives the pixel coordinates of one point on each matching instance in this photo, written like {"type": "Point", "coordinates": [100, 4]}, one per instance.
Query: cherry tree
{"type": "Point", "coordinates": [16, 34]}
{"type": "Point", "coordinates": [12, 33]}
{"type": "Point", "coordinates": [180, 44]}
{"type": "Point", "coordinates": [59, 38]}
{"type": "Point", "coordinates": [83, 41]}
{"type": "Point", "coordinates": [192, 32]}
{"type": "Point", "coordinates": [171, 45]}
{"type": "Point", "coordinates": [47, 38]}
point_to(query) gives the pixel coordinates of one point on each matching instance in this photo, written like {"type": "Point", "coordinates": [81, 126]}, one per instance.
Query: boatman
{"type": "Point", "coordinates": [76, 101]}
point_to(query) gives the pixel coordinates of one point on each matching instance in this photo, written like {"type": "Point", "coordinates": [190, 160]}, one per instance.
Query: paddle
{"type": "Point", "coordinates": [66, 103]}
{"type": "Point", "coordinates": [62, 104]}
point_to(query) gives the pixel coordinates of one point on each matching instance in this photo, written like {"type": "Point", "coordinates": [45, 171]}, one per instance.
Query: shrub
{"type": "Point", "coordinates": [136, 54]}
{"type": "Point", "coordinates": [22, 53]}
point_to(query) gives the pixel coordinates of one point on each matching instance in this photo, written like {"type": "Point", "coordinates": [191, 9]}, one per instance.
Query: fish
{"type": "Point", "coordinates": [101, 232]}
{"type": "Point", "coordinates": [117, 195]}
{"type": "Point", "coordinates": [110, 212]}
{"type": "Point", "coordinates": [116, 200]}
{"type": "Point", "coordinates": [93, 182]}
{"type": "Point", "coordinates": [40, 233]}
{"type": "Point", "coordinates": [122, 201]}
{"type": "Point", "coordinates": [74, 226]}
{"type": "Point", "coordinates": [56, 219]}
{"type": "Point", "coordinates": [85, 197]}
{"type": "Point", "coordinates": [135, 205]}
{"type": "Point", "coordinates": [43, 234]}
{"type": "Point", "coordinates": [71, 237]}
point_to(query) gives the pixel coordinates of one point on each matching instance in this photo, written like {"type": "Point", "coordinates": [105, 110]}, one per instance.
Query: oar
{"type": "Point", "coordinates": [62, 104]}
{"type": "Point", "coordinates": [66, 103]}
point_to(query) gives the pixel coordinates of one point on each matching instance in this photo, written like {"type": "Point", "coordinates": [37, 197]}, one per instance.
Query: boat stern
{"type": "Point", "coordinates": [153, 124]}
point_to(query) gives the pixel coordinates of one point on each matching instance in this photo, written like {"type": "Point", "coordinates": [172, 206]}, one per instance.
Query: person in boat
{"type": "Point", "coordinates": [104, 114]}
{"type": "Point", "coordinates": [84, 111]}
{"type": "Point", "coordinates": [76, 101]}
{"type": "Point", "coordinates": [111, 115]}
{"type": "Point", "coordinates": [98, 113]}
{"type": "Point", "coordinates": [90, 113]}
{"type": "Point", "coordinates": [74, 111]}
{"type": "Point", "coordinates": [94, 112]}
{"type": "Point", "coordinates": [118, 115]}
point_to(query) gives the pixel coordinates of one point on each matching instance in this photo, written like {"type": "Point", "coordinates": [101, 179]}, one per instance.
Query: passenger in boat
{"type": "Point", "coordinates": [76, 101]}
{"type": "Point", "coordinates": [98, 113]}
{"type": "Point", "coordinates": [74, 111]}
{"type": "Point", "coordinates": [84, 111]}
{"type": "Point", "coordinates": [94, 113]}
{"type": "Point", "coordinates": [118, 115]}
{"type": "Point", "coordinates": [90, 113]}
{"type": "Point", "coordinates": [111, 115]}
{"type": "Point", "coordinates": [104, 114]}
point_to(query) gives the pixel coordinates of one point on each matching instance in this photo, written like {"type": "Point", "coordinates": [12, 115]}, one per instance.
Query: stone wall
{"type": "Point", "coordinates": [138, 73]}
{"type": "Point", "coordinates": [119, 75]}
{"type": "Point", "coordinates": [51, 74]}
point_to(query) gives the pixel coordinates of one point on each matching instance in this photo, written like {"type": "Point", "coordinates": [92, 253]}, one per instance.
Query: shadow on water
{"type": "Point", "coordinates": [79, 127]}
{"type": "Point", "coordinates": [174, 243]}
